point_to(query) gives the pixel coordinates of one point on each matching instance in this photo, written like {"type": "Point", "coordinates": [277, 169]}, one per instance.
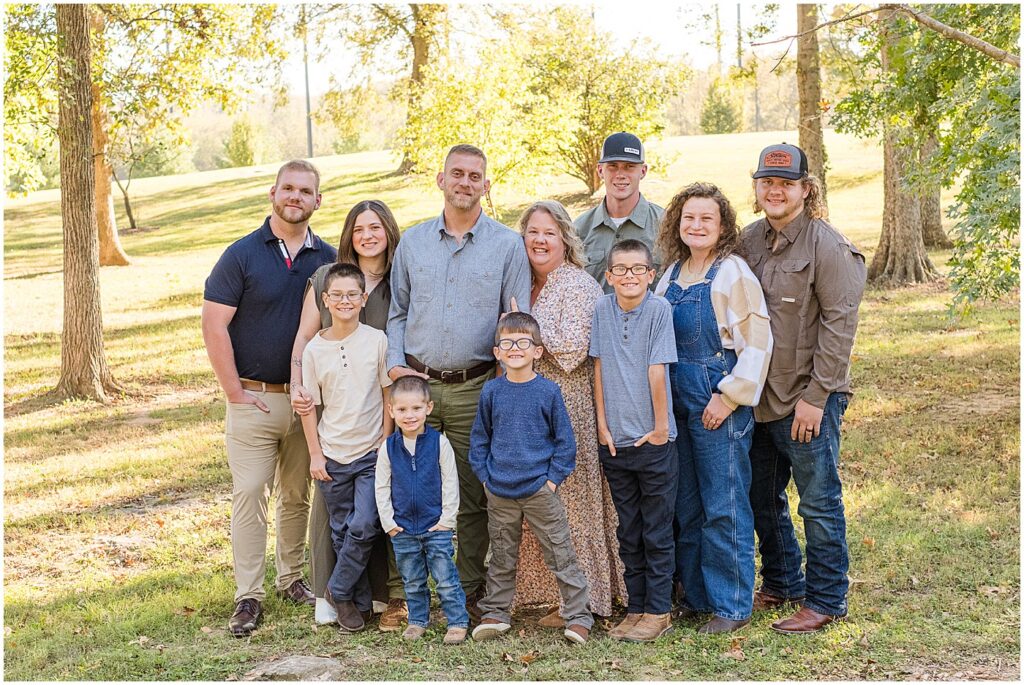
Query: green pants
{"type": "Point", "coordinates": [455, 407]}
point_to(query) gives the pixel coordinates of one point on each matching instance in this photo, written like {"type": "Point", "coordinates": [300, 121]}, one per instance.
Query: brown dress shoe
{"type": "Point", "coordinates": [764, 601]}
{"type": "Point", "coordinates": [248, 613]}
{"type": "Point", "coordinates": [299, 593]}
{"type": "Point", "coordinates": [804, 621]}
{"type": "Point", "coordinates": [475, 615]}
{"type": "Point", "coordinates": [395, 615]}
{"type": "Point", "coordinates": [623, 627]}
{"type": "Point", "coordinates": [717, 624]}
{"type": "Point", "coordinates": [649, 628]}
{"type": "Point", "coordinates": [687, 614]}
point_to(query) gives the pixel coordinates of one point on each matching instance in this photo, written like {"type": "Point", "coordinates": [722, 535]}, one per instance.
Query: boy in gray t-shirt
{"type": "Point", "coordinates": [633, 342]}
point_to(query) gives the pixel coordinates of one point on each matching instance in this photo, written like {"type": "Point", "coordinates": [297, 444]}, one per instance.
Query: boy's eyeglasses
{"type": "Point", "coordinates": [636, 269]}
{"type": "Point", "coordinates": [353, 296]}
{"type": "Point", "coordinates": [508, 343]}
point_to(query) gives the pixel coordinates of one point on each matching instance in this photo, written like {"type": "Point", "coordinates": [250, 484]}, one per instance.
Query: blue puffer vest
{"type": "Point", "coordinates": [416, 481]}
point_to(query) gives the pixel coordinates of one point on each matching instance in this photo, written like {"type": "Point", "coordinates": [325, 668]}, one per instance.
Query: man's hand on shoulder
{"type": "Point", "coordinates": [396, 372]}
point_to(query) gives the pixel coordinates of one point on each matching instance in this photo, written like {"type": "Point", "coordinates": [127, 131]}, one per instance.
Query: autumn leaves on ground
{"type": "Point", "coordinates": [117, 563]}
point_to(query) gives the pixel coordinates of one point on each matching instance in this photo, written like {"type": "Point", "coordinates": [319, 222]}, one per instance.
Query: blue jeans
{"type": "Point", "coordinates": [813, 466]}
{"type": "Point", "coordinates": [715, 543]}
{"type": "Point", "coordinates": [414, 555]}
{"type": "Point", "coordinates": [352, 508]}
{"type": "Point", "coordinates": [642, 481]}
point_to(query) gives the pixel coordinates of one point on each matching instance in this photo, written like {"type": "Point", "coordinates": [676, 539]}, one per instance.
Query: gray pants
{"type": "Point", "coordinates": [544, 512]}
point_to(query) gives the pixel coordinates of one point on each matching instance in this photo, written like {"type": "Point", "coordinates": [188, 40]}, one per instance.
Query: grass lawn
{"type": "Point", "coordinates": [117, 563]}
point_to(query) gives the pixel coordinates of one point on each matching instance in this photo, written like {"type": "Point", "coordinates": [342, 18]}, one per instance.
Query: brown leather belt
{"type": "Point", "coordinates": [457, 376]}
{"type": "Point", "coordinates": [260, 386]}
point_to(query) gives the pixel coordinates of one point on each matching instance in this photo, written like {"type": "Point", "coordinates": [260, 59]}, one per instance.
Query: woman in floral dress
{"type": "Point", "coordinates": [562, 300]}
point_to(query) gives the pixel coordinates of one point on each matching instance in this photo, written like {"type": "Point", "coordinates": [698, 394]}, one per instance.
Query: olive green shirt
{"type": "Point", "coordinates": [813, 281]}
{"type": "Point", "coordinates": [598, 233]}
{"type": "Point", "coordinates": [374, 313]}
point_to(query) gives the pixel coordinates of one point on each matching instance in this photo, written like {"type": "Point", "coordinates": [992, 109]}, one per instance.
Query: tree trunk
{"type": "Point", "coordinates": [428, 23]}
{"type": "Point", "coordinates": [83, 367]}
{"type": "Point", "coordinates": [111, 252]}
{"type": "Point", "coordinates": [127, 202]}
{"type": "Point", "coordinates": [808, 80]}
{"type": "Point", "coordinates": [931, 205]}
{"type": "Point", "coordinates": [900, 256]}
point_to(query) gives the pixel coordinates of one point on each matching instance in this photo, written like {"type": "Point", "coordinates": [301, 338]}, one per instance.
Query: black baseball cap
{"type": "Point", "coordinates": [622, 147]}
{"type": "Point", "coordinates": [784, 161]}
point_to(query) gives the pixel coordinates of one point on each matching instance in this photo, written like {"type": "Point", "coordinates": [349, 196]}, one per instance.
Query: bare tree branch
{"type": "Point", "coordinates": [923, 19]}
{"type": "Point", "coordinates": [959, 36]}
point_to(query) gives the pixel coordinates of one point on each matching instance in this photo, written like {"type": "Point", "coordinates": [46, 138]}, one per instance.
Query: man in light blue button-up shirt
{"type": "Point", "coordinates": [451, 279]}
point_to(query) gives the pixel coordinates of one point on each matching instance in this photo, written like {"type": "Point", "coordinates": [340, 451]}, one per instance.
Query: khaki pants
{"type": "Point", "coordinates": [544, 512]}
{"type": "Point", "coordinates": [265, 452]}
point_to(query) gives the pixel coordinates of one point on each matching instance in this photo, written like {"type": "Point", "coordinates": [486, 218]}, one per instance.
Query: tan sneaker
{"type": "Point", "coordinates": [455, 636]}
{"type": "Point", "coordinates": [551, 619]}
{"type": "Point", "coordinates": [394, 616]}
{"type": "Point", "coordinates": [414, 632]}
{"type": "Point", "coordinates": [649, 628]}
{"type": "Point", "coordinates": [620, 630]}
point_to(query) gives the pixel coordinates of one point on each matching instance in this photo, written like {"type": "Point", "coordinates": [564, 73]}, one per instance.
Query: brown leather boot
{"type": "Point", "coordinates": [649, 628]}
{"type": "Point", "coordinates": [804, 621]}
{"type": "Point", "coordinates": [624, 626]}
{"type": "Point", "coordinates": [764, 601]}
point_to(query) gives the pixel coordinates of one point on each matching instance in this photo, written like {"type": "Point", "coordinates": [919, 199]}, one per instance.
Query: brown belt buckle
{"type": "Point", "coordinates": [453, 376]}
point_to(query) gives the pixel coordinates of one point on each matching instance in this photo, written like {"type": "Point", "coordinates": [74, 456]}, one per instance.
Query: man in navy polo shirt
{"type": "Point", "coordinates": [251, 308]}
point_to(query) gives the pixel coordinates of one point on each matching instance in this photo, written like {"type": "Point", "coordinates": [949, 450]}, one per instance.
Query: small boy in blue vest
{"type": "Point", "coordinates": [417, 491]}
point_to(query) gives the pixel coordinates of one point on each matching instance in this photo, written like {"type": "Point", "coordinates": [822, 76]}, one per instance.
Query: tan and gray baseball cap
{"type": "Point", "coordinates": [784, 161]}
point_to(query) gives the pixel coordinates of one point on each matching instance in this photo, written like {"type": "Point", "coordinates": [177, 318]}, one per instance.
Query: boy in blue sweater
{"type": "Point", "coordinates": [521, 448]}
{"type": "Point", "coordinates": [417, 490]}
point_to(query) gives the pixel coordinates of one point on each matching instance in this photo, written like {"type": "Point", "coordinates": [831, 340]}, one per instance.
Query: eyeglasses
{"type": "Point", "coordinates": [636, 269]}
{"type": "Point", "coordinates": [508, 343]}
{"type": "Point", "coordinates": [353, 296]}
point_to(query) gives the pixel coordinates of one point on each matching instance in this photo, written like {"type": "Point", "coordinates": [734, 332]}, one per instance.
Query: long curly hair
{"type": "Point", "coordinates": [347, 253]}
{"type": "Point", "coordinates": [814, 203]}
{"type": "Point", "coordinates": [672, 246]}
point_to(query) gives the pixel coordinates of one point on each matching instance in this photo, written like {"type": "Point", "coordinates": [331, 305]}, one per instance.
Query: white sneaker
{"type": "Point", "coordinates": [489, 631]}
{"type": "Point", "coordinates": [324, 612]}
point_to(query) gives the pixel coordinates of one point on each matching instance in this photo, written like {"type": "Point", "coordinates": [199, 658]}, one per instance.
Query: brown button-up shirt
{"type": "Point", "coordinates": [813, 281]}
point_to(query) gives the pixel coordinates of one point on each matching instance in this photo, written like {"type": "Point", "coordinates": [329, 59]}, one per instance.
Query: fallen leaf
{"type": "Point", "coordinates": [160, 522]}
{"type": "Point", "coordinates": [868, 542]}
{"type": "Point", "coordinates": [160, 648]}
{"type": "Point", "coordinates": [992, 534]}
{"type": "Point", "coordinates": [787, 650]}
{"type": "Point", "coordinates": [417, 660]}
{"type": "Point", "coordinates": [615, 664]}
{"type": "Point", "coordinates": [505, 656]}
{"type": "Point", "coordinates": [864, 641]}
{"type": "Point", "coordinates": [735, 653]}
{"type": "Point", "coordinates": [206, 629]}
{"type": "Point", "coordinates": [7, 630]}
{"type": "Point", "coordinates": [522, 632]}
{"type": "Point", "coordinates": [530, 657]}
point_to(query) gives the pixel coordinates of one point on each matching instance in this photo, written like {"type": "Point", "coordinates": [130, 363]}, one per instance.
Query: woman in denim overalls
{"type": "Point", "coordinates": [713, 397]}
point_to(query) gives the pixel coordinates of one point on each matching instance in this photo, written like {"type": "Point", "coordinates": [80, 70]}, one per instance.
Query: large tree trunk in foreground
{"type": "Point", "coordinates": [931, 205]}
{"type": "Point", "coordinates": [900, 257]}
{"type": "Point", "coordinates": [111, 252]}
{"type": "Point", "coordinates": [83, 367]}
{"type": "Point", "coordinates": [808, 83]}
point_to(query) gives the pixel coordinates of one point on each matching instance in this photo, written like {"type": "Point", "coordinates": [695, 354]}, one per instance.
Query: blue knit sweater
{"type": "Point", "coordinates": [521, 437]}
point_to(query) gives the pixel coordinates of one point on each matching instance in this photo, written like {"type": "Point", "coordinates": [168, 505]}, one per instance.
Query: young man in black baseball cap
{"type": "Point", "coordinates": [624, 213]}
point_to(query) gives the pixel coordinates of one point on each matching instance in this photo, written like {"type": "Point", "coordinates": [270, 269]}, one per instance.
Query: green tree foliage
{"type": "Point", "coordinates": [243, 146]}
{"type": "Point", "coordinates": [720, 113]}
{"type": "Point", "coordinates": [153, 64]}
{"type": "Point", "coordinates": [973, 104]}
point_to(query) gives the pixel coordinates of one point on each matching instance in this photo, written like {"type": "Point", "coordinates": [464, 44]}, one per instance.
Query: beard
{"type": "Point", "coordinates": [291, 214]}
{"type": "Point", "coordinates": [460, 201]}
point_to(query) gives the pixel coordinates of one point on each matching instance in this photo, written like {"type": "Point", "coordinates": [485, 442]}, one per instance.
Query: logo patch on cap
{"type": "Point", "coordinates": [778, 158]}
{"type": "Point", "coordinates": [631, 149]}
